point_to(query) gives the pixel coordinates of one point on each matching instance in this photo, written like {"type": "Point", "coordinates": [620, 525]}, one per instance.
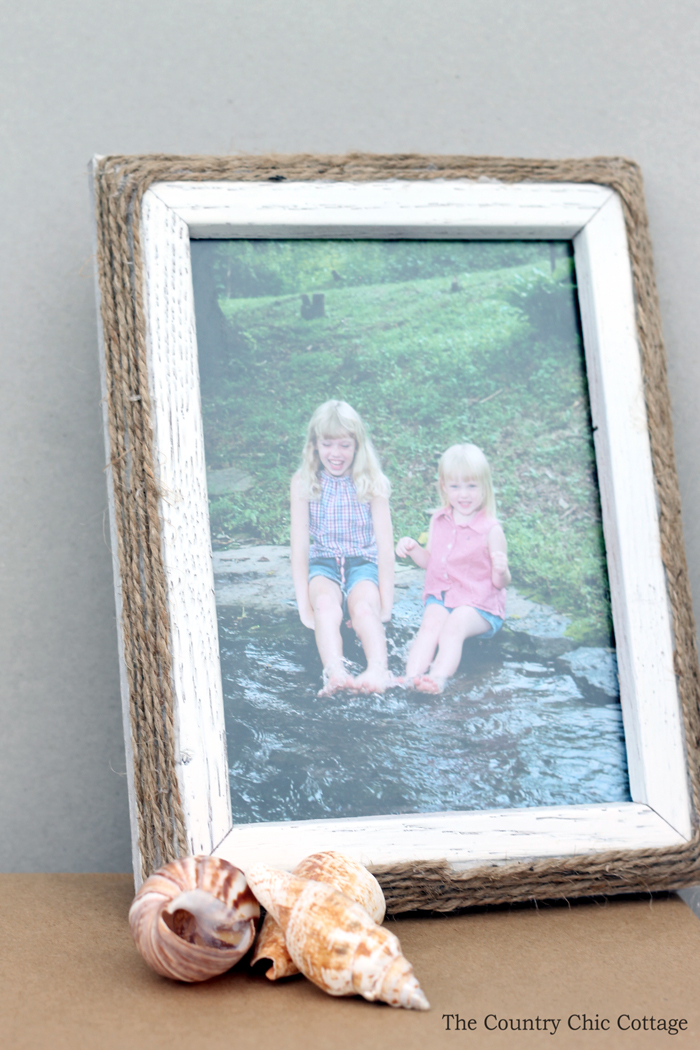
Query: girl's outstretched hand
{"type": "Point", "coordinates": [409, 548]}
{"type": "Point", "coordinates": [405, 546]}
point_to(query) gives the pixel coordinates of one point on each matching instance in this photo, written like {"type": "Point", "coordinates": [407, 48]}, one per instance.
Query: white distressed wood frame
{"type": "Point", "coordinates": [590, 216]}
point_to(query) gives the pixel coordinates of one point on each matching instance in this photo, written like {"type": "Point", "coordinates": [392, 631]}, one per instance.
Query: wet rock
{"type": "Point", "coordinates": [259, 579]}
{"type": "Point", "coordinates": [597, 665]}
{"type": "Point", "coordinates": [255, 578]}
{"type": "Point", "coordinates": [539, 621]}
{"type": "Point", "coordinates": [408, 596]}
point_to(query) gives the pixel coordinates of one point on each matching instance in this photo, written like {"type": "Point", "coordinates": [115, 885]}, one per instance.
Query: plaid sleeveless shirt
{"type": "Point", "coordinates": [340, 526]}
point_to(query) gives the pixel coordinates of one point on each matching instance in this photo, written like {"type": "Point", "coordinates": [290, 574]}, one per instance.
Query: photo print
{"type": "Point", "coordinates": [421, 401]}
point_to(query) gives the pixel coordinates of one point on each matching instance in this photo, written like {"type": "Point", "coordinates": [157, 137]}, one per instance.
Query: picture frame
{"type": "Point", "coordinates": [147, 210]}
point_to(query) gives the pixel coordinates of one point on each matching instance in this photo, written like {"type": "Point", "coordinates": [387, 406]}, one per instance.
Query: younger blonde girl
{"type": "Point", "coordinates": [466, 564]}
{"type": "Point", "coordinates": [342, 545]}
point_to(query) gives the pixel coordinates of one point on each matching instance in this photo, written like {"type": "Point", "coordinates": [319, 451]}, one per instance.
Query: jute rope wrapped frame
{"type": "Point", "coordinates": [120, 182]}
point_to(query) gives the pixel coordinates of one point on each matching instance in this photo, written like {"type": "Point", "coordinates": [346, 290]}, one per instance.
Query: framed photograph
{"type": "Point", "coordinates": [396, 533]}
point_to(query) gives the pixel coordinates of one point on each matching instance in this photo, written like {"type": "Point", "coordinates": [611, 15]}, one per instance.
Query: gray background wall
{"type": "Point", "coordinates": [550, 78]}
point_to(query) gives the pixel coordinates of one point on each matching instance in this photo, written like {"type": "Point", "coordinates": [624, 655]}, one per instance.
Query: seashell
{"type": "Point", "coordinates": [272, 945]}
{"type": "Point", "coordinates": [335, 869]}
{"type": "Point", "coordinates": [334, 942]}
{"type": "Point", "coordinates": [347, 875]}
{"type": "Point", "coordinates": [194, 918]}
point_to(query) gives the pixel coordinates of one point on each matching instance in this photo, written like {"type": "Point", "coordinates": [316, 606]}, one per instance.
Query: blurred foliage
{"type": "Point", "coordinates": [263, 268]}
{"type": "Point", "coordinates": [433, 343]}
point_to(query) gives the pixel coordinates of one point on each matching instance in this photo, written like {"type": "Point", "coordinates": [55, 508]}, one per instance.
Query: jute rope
{"type": "Point", "coordinates": [120, 183]}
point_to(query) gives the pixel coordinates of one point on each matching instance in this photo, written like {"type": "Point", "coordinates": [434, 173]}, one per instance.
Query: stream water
{"type": "Point", "coordinates": [526, 721]}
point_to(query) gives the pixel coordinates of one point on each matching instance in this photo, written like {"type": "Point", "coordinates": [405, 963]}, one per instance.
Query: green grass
{"type": "Point", "coordinates": [497, 363]}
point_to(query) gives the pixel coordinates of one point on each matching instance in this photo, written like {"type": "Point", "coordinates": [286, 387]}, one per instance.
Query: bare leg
{"type": "Point", "coordinates": [327, 603]}
{"type": "Point", "coordinates": [364, 608]}
{"type": "Point", "coordinates": [462, 623]}
{"type": "Point", "coordinates": [425, 643]}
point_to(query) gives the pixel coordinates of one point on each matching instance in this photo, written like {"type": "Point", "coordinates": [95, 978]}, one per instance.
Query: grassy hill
{"type": "Point", "coordinates": [491, 356]}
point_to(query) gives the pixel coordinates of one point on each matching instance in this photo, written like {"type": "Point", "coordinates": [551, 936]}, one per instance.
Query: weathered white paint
{"type": "Point", "coordinates": [179, 461]}
{"type": "Point", "coordinates": [465, 840]}
{"type": "Point", "coordinates": [641, 611]}
{"type": "Point", "coordinates": [437, 208]}
{"type": "Point", "coordinates": [591, 217]}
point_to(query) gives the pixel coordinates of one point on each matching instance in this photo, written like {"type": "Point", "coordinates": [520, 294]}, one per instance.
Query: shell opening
{"type": "Point", "coordinates": [199, 918]}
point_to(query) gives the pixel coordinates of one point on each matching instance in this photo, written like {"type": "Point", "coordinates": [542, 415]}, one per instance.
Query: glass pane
{"type": "Point", "coordinates": [432, 344]}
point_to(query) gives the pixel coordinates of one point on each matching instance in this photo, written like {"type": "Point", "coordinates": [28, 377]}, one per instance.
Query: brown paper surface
{"type": "Point", "coordinates": [71, 978]}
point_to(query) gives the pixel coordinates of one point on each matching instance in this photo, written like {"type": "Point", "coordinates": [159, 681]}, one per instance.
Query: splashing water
{"type": "Point", "coordinates": [521, 724]}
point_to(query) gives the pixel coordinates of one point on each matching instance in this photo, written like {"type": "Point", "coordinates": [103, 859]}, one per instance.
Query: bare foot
{"type": "Point", "coordinates": [374, 680]}
{"type": "Point", "coordinates": [336, 679]}
{"type": "Point", "coordinates": [426, 683]}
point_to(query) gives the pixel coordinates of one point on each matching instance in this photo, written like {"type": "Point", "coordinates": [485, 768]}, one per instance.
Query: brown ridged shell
{"type": "Point", "coordinates": [334, 942]}
{"type": "Point", "coordinates": [271, 945]}
{"type": "Point", "coordinates": [334, 869]}
{"type": "Point", "coordinates": [194, 918]}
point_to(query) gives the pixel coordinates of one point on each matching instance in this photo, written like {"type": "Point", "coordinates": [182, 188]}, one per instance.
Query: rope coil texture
{"type": "Point", "coordinates": [120, 182]}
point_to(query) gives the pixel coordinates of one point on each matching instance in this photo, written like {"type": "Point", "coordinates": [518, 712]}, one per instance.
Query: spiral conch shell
{"type": "Point", "coordinates": [337, 870]}
{"type": "Point", "coordinates": [194, 918]}
{"type": "Point", "coordinates": [334, 942]}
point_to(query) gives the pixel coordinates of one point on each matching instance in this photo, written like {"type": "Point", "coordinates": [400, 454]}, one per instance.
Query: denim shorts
{"type": "Point", "coordinates": [495, 622]}
{"type": "Point", "coordinates": [353, 571]}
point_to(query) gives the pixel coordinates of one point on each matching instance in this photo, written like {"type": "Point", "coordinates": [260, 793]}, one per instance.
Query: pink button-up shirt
{"type": "Point", "coordinates": [460, 564]}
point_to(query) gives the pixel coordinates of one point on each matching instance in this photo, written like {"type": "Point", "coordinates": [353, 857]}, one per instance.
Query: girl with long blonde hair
{"type": "Point", "coordinates": [342, 545]}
